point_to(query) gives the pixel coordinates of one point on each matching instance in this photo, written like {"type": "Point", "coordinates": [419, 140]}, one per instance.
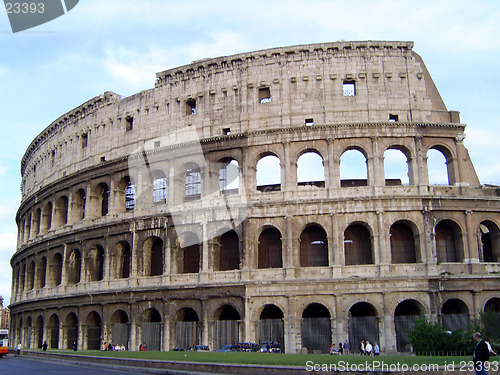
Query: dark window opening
{"type": "Point", "coordinates": [96, 263]}
{"type": "Point", "coordinates": [447, 242]}
{"type": "Point", "coordinates": [349, 88]}
{"type": "Point", "coordinates": [191, 107]}
{"type": "Point", "coordinates": [129, 123]}
{"type": "Point", "coordinates": [229, 255]}
{"type": "Point", "coordinates": [309, 121]}
{"type": "Point", "coordinates": [313, 247]}
{"type": "Point", "coordinates": [402, 244]}
{"type": "Point", "coordinates": [191, 263]}
{"type": "Point", "coordinates": [156, 258]}
{"type": "Point", "coordinates": [104, 193]}
{"type": "Point", "coordinates": [264, 95]}
{"type": "Point", "coordinates": [226, 131]}
{"type": "Point", "coordinates": [103, 159]}
{"type": "Point", "coordinates": [157, 144]}
{"type": "Point", "coordinates": [84, 140]}
{"type": "Point", "coordinates": [393, 118]}
{"type": "Point", "coordinates": [357, 245]}
{"type": "Point", "coordinates": [270, 249]}
{"type": "Point", "coordinates": [52, 157]}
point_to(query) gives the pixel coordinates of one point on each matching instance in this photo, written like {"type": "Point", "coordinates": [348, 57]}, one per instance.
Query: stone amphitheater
{"type": "Point", "coordinates": [185, 214]}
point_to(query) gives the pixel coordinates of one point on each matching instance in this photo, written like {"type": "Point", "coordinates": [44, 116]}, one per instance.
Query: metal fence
{"type": "Point", "coordinates": [225, 332]}
{"type": "Point", "coordinates": [187, 334]}
{"type": "Point", "coordinates": [404, 324]}
{"type": "Point", "coordinates": [28, 337]}
{"type": "Point", "coordinates": [72, 337]}
{"type": "Point", "coordinates": [120, 333]}
{"type": "Point", "coordinates": [272, 330]}
{"type": "Point", "coordinates": [39, 336]}
{"type": "Point", "coordinates": [54, 337]}
{"type": "Point", "coordinates": [151, 335]}
{"type": "Point", "coordinates": [317, 334]}
{"type": "Point", "coordinates": [451, 322]}
{"type": "Point", "coordinates": [362, 328]}
{"type": "Point", "coordinates": [94, 338]}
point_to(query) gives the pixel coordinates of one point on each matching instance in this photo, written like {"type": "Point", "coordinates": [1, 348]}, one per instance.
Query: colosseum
{"type": "Point", "coordinates": [186, 213]}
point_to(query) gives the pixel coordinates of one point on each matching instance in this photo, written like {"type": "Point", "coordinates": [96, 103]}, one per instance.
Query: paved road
{"type": "Point", "coordinates": [10, 365]}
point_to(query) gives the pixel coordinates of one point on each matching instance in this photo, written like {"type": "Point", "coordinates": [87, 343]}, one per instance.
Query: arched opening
{"type": "Point", "coordinates": [41, 273]}
{"type": "Point", "coordinates": [30, 275]}
{"type": "Point", "coordinates": [159, 187]}
{"type": "Point", "coordinates": [62, 211]}
{"type": "Point", "coordinates": [229, 176]}
{"type": "Point", "coordinates": [455, 315]}
{"type": "Point", "coordinates": [187, 328]}
{"type": "Point", "coordinates": [120, 329]}
{"type": "Point", "coordinates": [229, 251]}
{"type": "Point", "coordinates": [492, 305]}
{"type": "Point", "coordinates": [405, 315]}
{"type": "Point", "coordinates": [36, 221]}
{"type": "Point", "coordinates": [56, 270]}
{"type": "Point", "coordinates": [125, 195]}
{"type": "Point", "coordinates": [153, 256]}
{"type": "Point", "coordinates": [101, 193]}
{"type": "Point", "coordinates": [150, 327]}
{"type": "Point", "coordinates": [53, 329]}
{"type": "Point", "coordinates": [402, 243]}
{"type": "Point", "coordinates": [396, 167]}
{"type": "Point", "coordinates": [448, 242]}
{"type": "Point", "coordinates": [353, 169]}
{"type": "Point", "coordinates": [271, 328]}
{"type": "Point", "coordinates": [188, 251]}
{"type": "Point", "coordinates": [47, 217]}
{"type": "Point", "coordinates": [29, 332]}
{"type": "Point", "coordinates": [39, 332]}
{"type": "Point", "coordinates": [363, 325]}
{"type": "Point", "coordinates": [95, 263]}
{"type": "Point", "coordinates": [489, 242]}
{"type": "Point", "coordinates": [357, 245]}
{"type": "Point", "coordinates": [93, 325]}
{"type": "Point", "coordinates": [310, 169]}
{"type": "Point", "coordinates": [71, 325]}
{"type": "Point", "coordinates": [78, 207]}
{"type": "Point", "coordinates": [270, 249]}
{"type": "Point", "coordinates": [313, 247]}
{"type": "Point", "coordinates": [75, 267]}
{"type": "Point", "coordinates": [316, 328]}
{"type": "Point", "coordinates": [268, 174]}
{"type": "Point", "coordinates": [121, 261]}
{"type": "Point", "coordinates": [440, 166]}
{"type": "Point", "coordinates": [226, 327]}
{"type": "Point", "coordinates": [22, 278]}
{"type": "Point", "coordinates": [27, 229]}
{"type": "Point", "coordinates": [192, 182]}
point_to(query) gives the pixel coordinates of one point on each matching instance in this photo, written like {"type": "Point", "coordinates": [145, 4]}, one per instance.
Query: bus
{"type": "Point", "coordinates": [4, 342]}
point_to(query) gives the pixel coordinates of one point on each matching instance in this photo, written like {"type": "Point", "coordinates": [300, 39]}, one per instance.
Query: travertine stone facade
{"type": "Point", "coordinates": [144, 219]}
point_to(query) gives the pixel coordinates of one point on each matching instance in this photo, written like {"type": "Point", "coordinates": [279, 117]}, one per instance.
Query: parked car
{"type": "Point", "coordinates": [178, 350]}
{"type": "Point", "coordinates": [270, 347]}
{"type": "Point", "coordinates": [247, 347]}
{"type": "Point", "coordinates": [201, 348]}
{"type": "Point", "coordinates": [228, 348]}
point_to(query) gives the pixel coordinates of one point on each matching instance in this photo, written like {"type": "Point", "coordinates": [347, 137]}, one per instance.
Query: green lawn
{"type": "Point", "coordinates": [269, 359]}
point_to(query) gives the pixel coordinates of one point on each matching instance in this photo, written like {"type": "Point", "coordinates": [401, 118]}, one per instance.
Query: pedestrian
{"type": "Point", "coordinates": [368, 348]}
{"type": "Point", "coordinates": [44, 346]}
{"type": "Point", "coordinates": [75, 346]}
{"type": "Point", "coordinates": [376, 349]}
{"type": "Point", "coordinates": [481, 355]}
{"type": "Point", "coordinates": [341, 348]}
{"type": "Point", "coordinates": [362, 347]}
{"type": "Point", "coordinates": [347, 347]}
{"type": "Point", "coordinates": [19, 348]}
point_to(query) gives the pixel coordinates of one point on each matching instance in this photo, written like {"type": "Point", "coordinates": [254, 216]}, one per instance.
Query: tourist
{"type": "Point", "coordinates": [347, 347]}
{"type": "Point", "coordinates": [19, 348]}
{"type": "Point", "coordinates": [45, 346]}
{"type": "Point", "coordinates": [75, 346]}
{"type": "Point", "coordinates": [376, 349]}
{"type": "Point", "coordinates": [368, 348]}
{"type": "Point", "coordinates": [481, 355]}
{"type": "Point", "coordinates": [341, 348]}
{"type": "Point", "coordinates": [362, 347]}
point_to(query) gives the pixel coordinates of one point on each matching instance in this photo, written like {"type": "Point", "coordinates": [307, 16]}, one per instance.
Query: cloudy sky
{"type": "Point", "coordinates": [119, 45]}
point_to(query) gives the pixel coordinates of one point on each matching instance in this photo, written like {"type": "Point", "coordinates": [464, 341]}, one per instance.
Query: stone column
{"type": "Point", "coordinates": [421, 175]}
{"type": "Point", "coordinates": [471, 251]}
{"type": "Point", "coordinates": [290, 261]}
{"type": "Point", "coordinates": [65, 262]}
{"type": "Point", "coordinates": [377, 176]}
{"type": "Point", "coordinates": [388, 338]}
{"type": "Point", "coordinates": [286, 177]}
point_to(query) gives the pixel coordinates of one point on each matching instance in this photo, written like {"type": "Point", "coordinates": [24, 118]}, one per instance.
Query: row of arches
{"type": "Point", "coordinates": [316, 326]}
{"type": "Point", "coordinates": [226, 251]}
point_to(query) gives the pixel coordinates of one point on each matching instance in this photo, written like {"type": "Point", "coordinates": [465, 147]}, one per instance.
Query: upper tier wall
{"type": "Point", "coordinates": [302, 82]}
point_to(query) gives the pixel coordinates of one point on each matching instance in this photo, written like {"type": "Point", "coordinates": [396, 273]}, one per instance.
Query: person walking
{"type": "Point", "coordinates": [376, 349]}
{"type": "Point", "coordinates": [75, 346]}
{"type": "Point", "coordinates": [45, 346]}
{"type": "Point", "coordinates": [18, 348]}
{"type": "Point", "coordinates": [481, 355]}
{"type": "Point", "coordinates": [346, 347]}
{"type": "Point", "coordinates": [368, 348]}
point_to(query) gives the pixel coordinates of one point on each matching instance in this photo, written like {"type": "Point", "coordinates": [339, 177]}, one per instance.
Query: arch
{"type": "Point", "coordinates": [53, 331]}
{"type": "Point", "coordinates": [188, 250]}
{"type": "Point", "coordinates": [121, 260]}
{"type": "Point", "coordinates": [405, 315]}
{"type": "Point", "coordinates": [61, 210]}
{"type": "Point", "coordinates": [36, 221]}
{"type": "Point", "coordinates": [455, 315]}
{"type": "Point", "coordinates": [101, 193]}
{"type": "Point", "coordinates": [363, 324]}
{"type": "Point", "coordinates": [93, 328]}
{"type": "Point", "coordinates": [78, 206]}
{"type": "Point", "coordinates": [397, 166]}
{"type": "Point", "coordinates": [316, 328]}
{"type": "Point", "coordinates": [120, 328]}
{"type": "Point", "coordinates": [270, 249]}
{"type": "Point", "coordinates": [30, 275]}
{"type": "Point", "coordinates": [28, 332]}
{"type": "Point", "coordinates": [271, 326]}
{"type": "Point", "coordinates": [403, 248]}
{"type": "Point", "coordinates": [226, 326]}
{"type": "Point", "coordinates": [448, 237]}
{"type": "Point", "coordinates": [357, 245]}
{"type": "Point", "coordinates": [311, 169]}
{"type": "Point", "coordinates": [71, 325]}
{"type": "Point", "coordinates": [187, 328]}
{"type": "Point", "coordinates": [75, 267]}
{"type": "Point", "coordinates": [229, 251]}
{"type": "Point", "coordinates": [47, 217]}
{"type": "Point", "coordinates": [492, 305]}
{"type": "Point", "coordinates": [313, 247]}
{"type": "Point", "coordinates": [22, 278]}
{"type": "Point", "coordinates": [192, 182]}
{"type": "Point", "coordinates": [125, 194]}
{"type": "Point", "coordinates": [440, 166]}
{"type": "Point", "coordinates": [489, 241]}
{"type": "Point", "coordinates": [41, 273]}
{"type": "Point", "coordinates": [353, 168]}
{"type": "Point", "coordinates": [268, 173]}
{"type": "Point", "coordinates": [95, 263]}
{"type": "Point", "coordinates": [39, 331]}
{"type": "Point", "coordinates": [159, 187]}
{"type": "Point", "coordinates": [56, 270]}
{"type": "Point", "coordinates": [229, 176]}
{"type": "Point", "coordinates": [153, 259]}
{"type": "Point", "coordinates": [27, 229]}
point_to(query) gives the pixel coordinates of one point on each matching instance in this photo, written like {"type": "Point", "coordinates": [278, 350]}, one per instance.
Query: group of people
{"type": "Point", "coordinates": [342, 349]}
{"type": "Point", "coordinates": [143, 347]}
{"type": "Point", "coordinates": [365, 348]}
{"type": "Point", "coordinates": [110, 347]}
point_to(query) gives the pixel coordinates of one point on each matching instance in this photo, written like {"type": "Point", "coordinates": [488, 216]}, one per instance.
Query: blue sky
{"type": "Point", "coordinates": [119, 45]}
